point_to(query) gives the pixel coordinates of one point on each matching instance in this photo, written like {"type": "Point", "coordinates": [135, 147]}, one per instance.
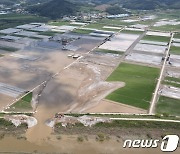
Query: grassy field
{"type": "Point", "coordinates": [109, 51]}
{"type": "Point", "coordinates": [140, 84]}
{"type": "Point", "coordinates": [168, 105]}
{"type": "Point", "coordinates": [9, 49]}
{"type": "Point", "coordinates": [82, 31]}
{"type": "Point", "coordinates": [175, 50]}
{"type": "Point", "coordinates": [156, 38]}
{"type": "Point", "coordinates": [24, 105]}
{"type": "Point", "coordinates": [12, 20]}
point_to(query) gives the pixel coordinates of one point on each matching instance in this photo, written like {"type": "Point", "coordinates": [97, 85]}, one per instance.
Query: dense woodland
{"type": "Point", "coordinates": [55, 9]}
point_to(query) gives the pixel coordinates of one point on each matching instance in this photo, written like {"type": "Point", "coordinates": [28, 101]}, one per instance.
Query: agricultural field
{"type": "Point", "coordinates": [175, 50]}
{"type": "Point", "coordinates": [114, 22]}
{"type": "Point", "coordinates": [131, 32]}
{"type": "Point", "coordinates": [95, 26]}
{"type": "Point", "coordinates": [177, 35]}
{"type": "Point", "coordinates": [109, 51]}
{"type": "Point", "coordinates": [167, 21]}
{"type": "Point", "coordinates": [83, 31]}
{"type": "Point", "coordinates": [147, 22]}
{"type": "Point", "coordinates": [101, 26]}
{"type": "Point", "coordinates": [48, 33]}
{"type": "Point", "coordinates": [8, 49]}
{"type": "Point", "coordinates": [175, 82]}
{"type": "Point", "coordinates": [74, 75]}
{"type": "Point", "coordinates": [12, 20]}
{"type": "Point", "coordinates": [171, 83]}
{"type": "Point", "coordinates": [59, 23]}
{"type": "Point", "coordinates": [168, 14]}
{"type": "Point", "coordinates": [140, 84]}
{"type": "Point", "coordinates": [168, 105]}
{"type": "Point", "coordinates": [23, 105]}
{"type": "Point", "coordinates": [156, 38]}
{"type": "Point", "coordinates": [167, 28]}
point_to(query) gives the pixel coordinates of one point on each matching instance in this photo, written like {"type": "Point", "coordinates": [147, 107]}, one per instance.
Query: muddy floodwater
{"type": "Point", "coordinates": [70, 145]}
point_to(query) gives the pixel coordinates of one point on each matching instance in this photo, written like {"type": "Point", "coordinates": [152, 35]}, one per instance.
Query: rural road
{"type": "Point", "coordinates": [155, 95]}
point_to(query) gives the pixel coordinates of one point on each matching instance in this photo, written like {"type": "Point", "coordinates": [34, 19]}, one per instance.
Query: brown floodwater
{"type": "Point", "coordinates": [70, 145]}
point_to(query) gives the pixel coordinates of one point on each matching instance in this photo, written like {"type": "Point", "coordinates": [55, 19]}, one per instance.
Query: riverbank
{"type": "Point", "coordinates": [78, 139]}
{"type": "Point", "coordinates": [9, 129]}
{"type": "Point", "coordinates": [121, 129]}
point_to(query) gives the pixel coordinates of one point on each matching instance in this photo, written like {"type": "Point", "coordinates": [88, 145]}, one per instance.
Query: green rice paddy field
{"type": "Point", "coordinates": [156, 38]}
{"type": "Point", "coordinates": [168, 105]}
{"type": "Point", "coordinates": [23, 105]}
{"type": "Point", "coordinates": [140, 84]}
{"type": "Point", "coordinates": [175, 50]}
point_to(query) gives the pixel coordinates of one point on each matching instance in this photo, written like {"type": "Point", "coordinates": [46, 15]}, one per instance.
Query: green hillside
{"type": "Point", "coordinates": [55, 9]}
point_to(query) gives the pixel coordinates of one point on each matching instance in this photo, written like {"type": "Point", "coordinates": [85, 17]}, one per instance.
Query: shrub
{"type": "Point", "coordinates": [80, 139]}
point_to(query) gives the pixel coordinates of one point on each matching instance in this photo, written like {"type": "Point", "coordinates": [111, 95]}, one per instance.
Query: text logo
{"type": "Point", "coordinates": [169, 143]}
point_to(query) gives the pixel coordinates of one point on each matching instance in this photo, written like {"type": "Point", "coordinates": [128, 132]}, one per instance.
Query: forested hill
{"type": "Point", "coordinates": [144, 4]}
{"type": "Point", "coordinates": [69, 4]}
{"type": "Point", "coordinates": [151, 4]}
{"type": "Point", "coordinates": [55, 8]}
